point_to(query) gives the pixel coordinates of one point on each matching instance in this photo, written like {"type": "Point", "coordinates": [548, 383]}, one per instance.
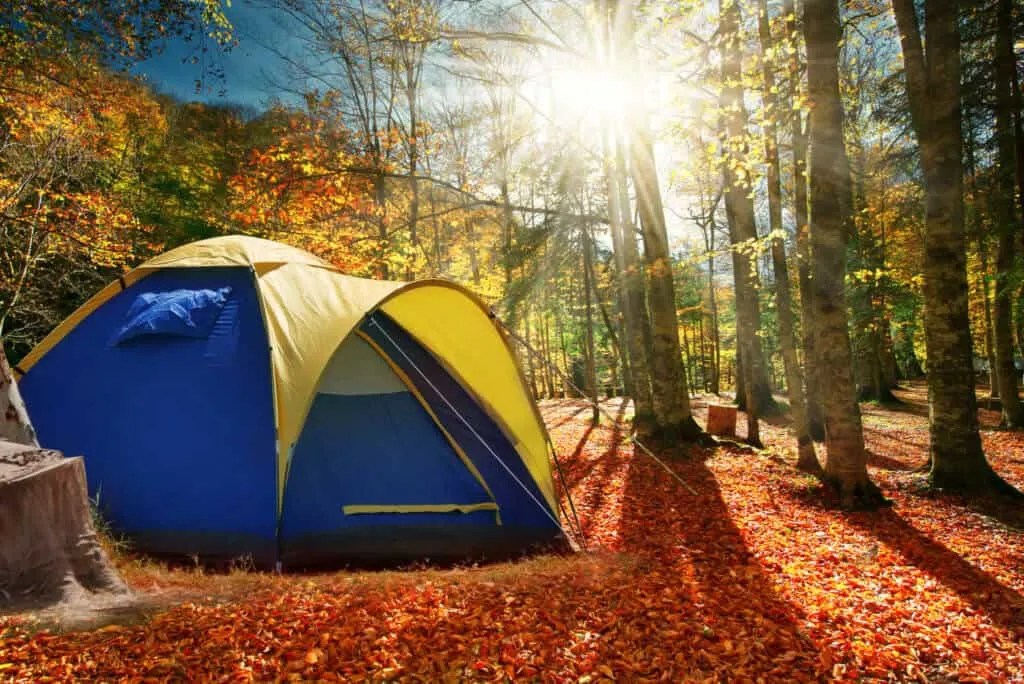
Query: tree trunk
{"type": "Point", "coordinates": [974, 225]}
{"type": "Point", "coordinates": [49, 552]}
{"type": "Point", "coordinates": [739, 209]}
{"type": "Point", "coordinates": [814, 405]}
{"type": "Point", "coordinates": [588, 297]}
{"type": "Point", "coordinates": [704, 365]}
{"type": "Point", "coordinates": [830, 207]}
{"type": "Point", "coordinates": [1006, 224]}
{"type": "Point", "coordinates": [411, 94]}
{"type": "Point", "coordinates": [631, 283]}
{"type": "Point", "coordinates": [716, 361]}
{"type": "Point", "coordinates": [740, 381]}
{"type": "Point", "coordinates": [806, 459]}
{"type": "Point", "coordinates": [990, 347]}
{"type": "Point", "coordinates": [933, 86]}
{"type": "Point", "coordinates": [531, 367]}
{"type": "Point", "coordinates": [565, 357]}
{"type": "Point", "coordinates": [670, 396]}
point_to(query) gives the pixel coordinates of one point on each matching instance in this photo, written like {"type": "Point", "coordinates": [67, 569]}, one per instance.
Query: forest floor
{"type": "Point", "coordinates": [756, 577]}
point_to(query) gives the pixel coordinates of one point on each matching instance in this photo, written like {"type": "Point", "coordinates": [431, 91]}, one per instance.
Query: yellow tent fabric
{"type": "Point", "coordinates": [310, 307]}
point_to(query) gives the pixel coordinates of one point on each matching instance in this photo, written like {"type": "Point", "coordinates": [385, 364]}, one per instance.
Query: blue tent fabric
{"type": "Point", "coordinates": [373, 450]}
{"type": "Point", "coordinates": [177, 432]}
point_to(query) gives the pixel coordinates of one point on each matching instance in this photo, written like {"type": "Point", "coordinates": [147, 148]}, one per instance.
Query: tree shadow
{"type": "Point", "coordinates": [975, 586]}
{"type": "Point", "coordinates": [876, 460]}
{"type": "Point", "coordinates": [707, 572]}
{"type": "Point", "coordinates": [578, 468]}
{"type": "Point", "coordinates": [566, 419]}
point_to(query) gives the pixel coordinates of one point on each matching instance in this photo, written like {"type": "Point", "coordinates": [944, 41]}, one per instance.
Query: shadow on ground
{"type": "Point", "coordinates": [975, 586]}
{"type": "Point", "coordinates": [695, 553]}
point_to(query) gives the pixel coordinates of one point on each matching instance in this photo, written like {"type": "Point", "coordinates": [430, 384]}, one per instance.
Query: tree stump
{"type": "Point", "coordinates": [722, 420]}
{"type": "Point", "coordinates": [49, 551]}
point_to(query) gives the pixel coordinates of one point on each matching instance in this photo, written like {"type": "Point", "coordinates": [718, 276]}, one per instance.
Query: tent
{"type": "Point", "coordinates": [238, 397]}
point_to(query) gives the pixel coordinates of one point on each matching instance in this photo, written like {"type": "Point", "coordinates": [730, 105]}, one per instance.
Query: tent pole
{"type": "Point", "coordinates": [568, 494]}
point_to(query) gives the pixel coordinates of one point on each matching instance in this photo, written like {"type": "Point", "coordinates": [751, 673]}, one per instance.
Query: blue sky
{"type": "Point", "coordinates": [244, 66]}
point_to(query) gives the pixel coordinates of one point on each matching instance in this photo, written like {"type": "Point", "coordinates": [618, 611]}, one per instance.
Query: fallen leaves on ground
{"type": "Point", "coordinates": [754, 578]}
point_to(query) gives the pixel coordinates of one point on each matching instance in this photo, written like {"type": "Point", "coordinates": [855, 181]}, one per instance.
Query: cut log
{"type": "Point", "coordinates": [49, 550]}
{"type": "Point", "coordinates": [721, 420]}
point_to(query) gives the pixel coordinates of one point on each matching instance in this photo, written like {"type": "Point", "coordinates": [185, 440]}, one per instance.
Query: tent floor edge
{"type": "Point", "coordinates": [376, 549]}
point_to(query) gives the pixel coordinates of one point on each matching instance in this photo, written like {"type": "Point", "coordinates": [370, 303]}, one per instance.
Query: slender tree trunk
{"type": "Point", "coordinates": [830, 212]}
{"type": "Point", "coordinates": [381, 200]}
{"type": "Point", "coordinates": [974, 224]}
{"type": "Point", "coordinates": [565, 356]}
{"type": "Point", "coordinates": [627, 364]}
{"type": "Point", "coordinates": [631, 283]}
{"type": "Point", "coordinates": [716, 372]}
{"type": "Point", "coordinates": [740, 380]}
{"type": "Point", "coordinates": [739, 209]}
{"type": "Point", "coordinates": [688, 375]}
{"type": "Point", "coordinates": [1007, 225]}
{"type": "Point", "coordinates": [531, 367]}
{"type": "Point", "coordinates": [506, 225]}
{"type": "Point", "coordinates": [588, 297]}
{"type": "Point", "coordinates": [411, 95]}
{"type": "Point", "coordinates": [704, 366]}
{"type": "Point", "coordinates": [806, 460]}
{"type": "Point", "coordinates": [669, 393]}
{"type": "Point", "coordinates": [549, 358]}
{"type": "Point", "coordinates": [670, 396]}
{"type": "Point", "coordinates": [933, 86]}
{"type": "Point", "coordinates": [618, 353]}
{"type": "Point", "coordinates": [990, 348]}
{"type": "Point", "coordinates": [814, 406]}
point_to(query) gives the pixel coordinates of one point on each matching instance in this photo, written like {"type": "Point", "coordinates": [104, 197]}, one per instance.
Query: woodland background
{"type": "Point", "coordinates": [634, 188]}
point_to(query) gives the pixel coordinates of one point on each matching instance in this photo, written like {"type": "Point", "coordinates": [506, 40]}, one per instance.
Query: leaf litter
{"type": "Point", "coordinates": [756, 578]}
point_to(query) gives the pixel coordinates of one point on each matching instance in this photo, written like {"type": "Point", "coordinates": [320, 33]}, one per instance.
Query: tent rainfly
{"type": "Point", "coordinates": [238, 397]}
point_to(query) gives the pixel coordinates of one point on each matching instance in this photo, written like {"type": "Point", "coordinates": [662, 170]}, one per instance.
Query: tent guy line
{"type": "Point", "coordinates": [594, 403]}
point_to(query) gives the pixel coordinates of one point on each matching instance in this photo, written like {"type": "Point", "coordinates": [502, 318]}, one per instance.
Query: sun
{"type": "Point", "coordinates": [588, 96]}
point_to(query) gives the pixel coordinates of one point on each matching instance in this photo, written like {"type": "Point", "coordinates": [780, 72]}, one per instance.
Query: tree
{"type": "Point", "coordinates": [1007, 222]}
{"type": "Point", "coordinates": [740, 214]}
{"type": "Point", "coordinates": [798, 135]}
{"type": "Point", "coordinates": [73, 127]}
{"type": "Point", "coordinates": [933, 88]}
{"type": "Point", "coordinates": [807, 460]}
{"type": "Point", "coordinates": [629, 269]}
{"type": "Point", "coordinates": [830, 219]}
{"type": "Point", "coordinates": [670, 395]}
{"type": "Point", "coordinates": [739, 209]}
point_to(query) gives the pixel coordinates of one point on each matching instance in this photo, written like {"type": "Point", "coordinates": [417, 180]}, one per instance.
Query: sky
{"type": "Point", "coordinates": [245, 66]}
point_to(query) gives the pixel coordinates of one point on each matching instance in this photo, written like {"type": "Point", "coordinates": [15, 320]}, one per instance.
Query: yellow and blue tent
{"type": "Point", "coordinates": [236, 396]}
